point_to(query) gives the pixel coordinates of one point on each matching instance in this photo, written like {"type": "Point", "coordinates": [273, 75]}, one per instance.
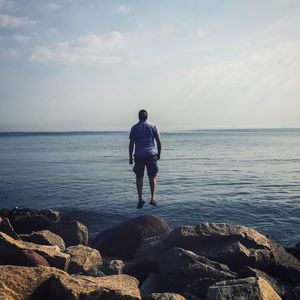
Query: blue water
{"type": "Point", "coordinates": [248, 177]}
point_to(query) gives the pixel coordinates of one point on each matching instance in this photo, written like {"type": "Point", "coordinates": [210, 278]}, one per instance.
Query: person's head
{"type": "Point", "coordinates": [143, 115]}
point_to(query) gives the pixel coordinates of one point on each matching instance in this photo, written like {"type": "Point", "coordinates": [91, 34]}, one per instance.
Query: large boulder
{"type": "Point", "coordinates": [6, 227]}
{"type": "Point", "coordinates": [27, 220]}
{"type": "Point", "coordinates": [44, 237]}
{"type": "Point", "coordinates": [53, 256]}
{"type": "Point", "coordinates": [242, 289]}
{"type": "Point", "coordinates": [234, 245]}
{"type": "Point", "coordinates": [184, 271]}
{"type": "Point", "coordinates": [83, 259]}
{"type": "Point", "coordinates": [21, 283]}
{"type": "Point", "coordinates": [85, 287]}
{"type": "Point", "coordinates": [122, 241]}
{"type": "Point", "coordinates": [72, 232]}
{"type": "Point", "coordinates": [294, 250]}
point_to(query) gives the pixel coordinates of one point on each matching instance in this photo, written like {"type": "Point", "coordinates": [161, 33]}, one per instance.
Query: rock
{"type": "Point", "coordinates": [51, 253]}
{"type": "Point", "coordinates": [84, 287]}
{"type": "Point", "coordinates": [21, 257]}
{"type": "Point", "coordinates": [112, 266]}
{"type": "Point", "coordinates": [234, 245]}
{"type": "Point", "coordinates": [44, 237]}
{"type": "Point", "coordinates": [7, 228]}
{"type": "Point", "coordinates": [151, 285]}
{"type": "Point", "coordinates": [294, 250]}
{"type": "Point", "coordinates": [184, 271]}
{"type": "Point", "coordinates": [164, 296]}
{"type": "Point", "coordinates": [18, 283]}
{"type": "Point", "coordinates": [27, 220]}
{"type": "Point", "coordinates": [83, 258]}
{"type": "Point", "coordinates": [141, 269]}
{"type": "Point", "coordinates": [4, 212]}
{"type": "Point", "coordinates": [72, 232]}
{"type": "Point", "coordinates": [122, 241]}
{"type": "Point", "coordinates": [242, 289]}
{"type": "Point", "coordinates": [274, 283]}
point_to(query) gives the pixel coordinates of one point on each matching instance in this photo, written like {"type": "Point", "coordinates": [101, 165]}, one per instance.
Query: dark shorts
{"type": "Point", "coordinates": [149, 161]}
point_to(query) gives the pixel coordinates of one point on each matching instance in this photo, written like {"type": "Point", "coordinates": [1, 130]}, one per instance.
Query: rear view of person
{"type": "Point", "coordinates": [142, 140]}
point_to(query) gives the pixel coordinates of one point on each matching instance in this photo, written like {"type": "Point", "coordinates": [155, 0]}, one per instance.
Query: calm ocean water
{"type": "Point", "coordinates": [248, 177]}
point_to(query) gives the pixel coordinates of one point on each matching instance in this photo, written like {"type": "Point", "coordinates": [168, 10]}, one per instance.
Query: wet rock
{"type": "Point", "coordinates": [242, 289]}
{"type": "Point", "coordinates": [6, 227]}
{"type": "Point", "coordinates": [44, 237]}
{"type": "Point", "coordinates": [112, 266]}
{"type": "Point", "coordinates": [54, 257]}
{"type": "Point", "coordinates": [83, 258]}
{"type": "Point", "coordinates": [184, 271]}
{"type": "Point", "coordinates": [84, 287]}
{"type": "Point", "coordinates": [164, 296]}
{"type": "Point", "coordinates": [27, 220]}
{"type": "Point", "coordinates": [26, 282]}
{"type": "Point", "coordinates": [72, 232]}
{"type": "Point", "coordinates": [122, 241]}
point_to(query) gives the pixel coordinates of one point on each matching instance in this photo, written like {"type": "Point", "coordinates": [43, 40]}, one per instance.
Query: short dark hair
{"type": "Point", "coordinates": [143, 115]}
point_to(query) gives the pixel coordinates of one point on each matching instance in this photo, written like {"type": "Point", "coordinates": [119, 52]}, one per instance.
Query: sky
{"type": "Point", "coordinates": [194, 64]}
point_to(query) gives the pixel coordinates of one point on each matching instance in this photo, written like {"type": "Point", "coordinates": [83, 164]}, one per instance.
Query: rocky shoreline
{"type": "Point", "coordinates": [43, 257]}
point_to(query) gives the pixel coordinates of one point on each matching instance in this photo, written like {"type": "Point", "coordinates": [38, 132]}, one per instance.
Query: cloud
{"type": "Point", "coordinates": [6, 4]}
{"type": "Point", "coordinates": [91, 48]}
{"type": "Point", "coordinates": [13, 21]}
{"type": "Point", "coordinates": [8, 53]}
{"type": "Point", "coordinates": [22, 39]}
{"type": "Point", "coordinates": [167, 28]}
{"type": "Point", "coordinates": [54, 6]}
{"type": "Point", "coordinates": [123, 9]}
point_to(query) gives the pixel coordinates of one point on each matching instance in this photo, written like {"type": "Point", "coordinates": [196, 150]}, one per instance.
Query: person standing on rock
{"type": "Point", "coordinates": [142, 136]}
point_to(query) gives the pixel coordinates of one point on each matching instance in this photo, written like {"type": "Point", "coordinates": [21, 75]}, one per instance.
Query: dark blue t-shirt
{"type": "Point", "coordinates": [143, 134]}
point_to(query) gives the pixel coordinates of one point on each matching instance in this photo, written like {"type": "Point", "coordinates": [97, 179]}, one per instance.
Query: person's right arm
{"type": "Point", "coordinates": [131, 145]}
{"type": "Point", "coordinates": [158, 143]}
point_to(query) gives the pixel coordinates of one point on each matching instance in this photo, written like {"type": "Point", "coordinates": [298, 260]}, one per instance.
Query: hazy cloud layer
{"type": "Point", "coordinates": [192, 64]}
{"type": "Point", "coordinates": [92, 48]}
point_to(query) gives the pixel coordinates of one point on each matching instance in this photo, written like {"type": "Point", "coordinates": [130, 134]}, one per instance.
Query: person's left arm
{"type": "Point", "coordinates": [131, 146]}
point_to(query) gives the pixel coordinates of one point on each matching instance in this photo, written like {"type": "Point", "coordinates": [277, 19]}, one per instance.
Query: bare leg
{"type": "Point", "coordinates": [139, 187]}
{"type": "Point", "coordinates": [152, 182]}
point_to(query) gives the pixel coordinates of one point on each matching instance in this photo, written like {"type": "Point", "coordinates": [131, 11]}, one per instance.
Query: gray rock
{"type": "Point", "coordinates": [44, 237]}
{"type": "Point", "coordinates": [72, 232]}
{"type": "Point", "coordinates": [151, 285]}
{"type": "Point", "coordinates": [184, 271]}
{"type": "Point", "coordinates": [234, 245]}
{"type": "Point", "coordinates": [164, 296]}
{"type": "Point", "coordinates": [112, 266]}
{"type": "Point", "coordinates": [83, 258]}
{"type": "Point", "coordinates": [6, 227]}
{"type": "Point", "coordinates": [242, 289]}
{"type": "Point", "coordinates": [122, 241]}
{"type": "Point", "coordinates": [27, 220]}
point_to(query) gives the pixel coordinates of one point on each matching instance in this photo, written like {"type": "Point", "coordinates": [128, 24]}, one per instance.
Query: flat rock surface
{"type": "Point", "coordinates": [18, 283]}
{"type": "Point", "coordinates": [44, 237]}
{"type": "Point", "coordinates": [83, 258]}
{"type": "Point", "coordinates": [86, 287]}
{"type": "Point", "coordinates": [242, 289]}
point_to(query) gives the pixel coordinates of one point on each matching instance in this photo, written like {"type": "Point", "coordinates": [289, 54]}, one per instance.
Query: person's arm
{"type": "Point", "coordinates": [131, 145]}
{"type": "Point", "coordinates": [158, 142]}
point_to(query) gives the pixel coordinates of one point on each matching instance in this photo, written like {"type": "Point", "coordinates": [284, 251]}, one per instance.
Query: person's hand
{"type": "Point", "coordinates": [130, 160]}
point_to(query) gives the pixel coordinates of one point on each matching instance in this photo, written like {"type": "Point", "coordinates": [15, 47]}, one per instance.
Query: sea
{"type": "Point", "coordinates": [249, 177]}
